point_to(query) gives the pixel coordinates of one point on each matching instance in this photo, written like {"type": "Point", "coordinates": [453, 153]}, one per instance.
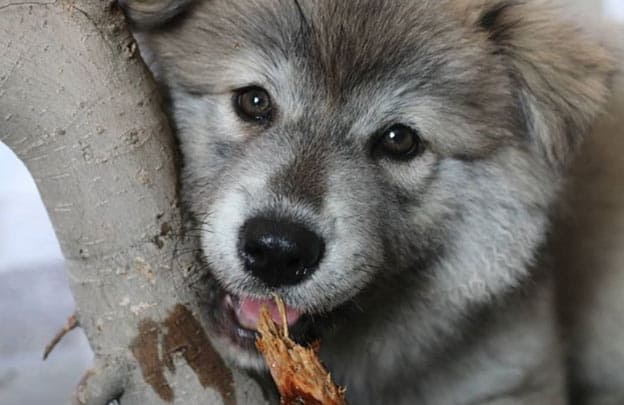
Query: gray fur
{"type": "Point", "coordinates": [432, 289]}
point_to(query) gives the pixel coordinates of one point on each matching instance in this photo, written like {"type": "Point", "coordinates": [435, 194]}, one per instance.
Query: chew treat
{"type": "Point", "coordinates": [297, 371]}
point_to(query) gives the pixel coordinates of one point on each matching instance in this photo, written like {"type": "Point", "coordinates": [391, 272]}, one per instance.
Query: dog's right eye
{"type": "Point", "coordinates": [253, 104]}
{"type": "Point", "coordinates": [399, 142]}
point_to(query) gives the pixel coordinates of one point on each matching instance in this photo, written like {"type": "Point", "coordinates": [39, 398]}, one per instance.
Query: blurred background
{"type": "Point", "coordinates": [35, 300]}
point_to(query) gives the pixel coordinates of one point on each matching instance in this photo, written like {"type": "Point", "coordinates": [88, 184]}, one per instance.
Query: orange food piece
{"type": "Point", "coordinates": [297, 371]}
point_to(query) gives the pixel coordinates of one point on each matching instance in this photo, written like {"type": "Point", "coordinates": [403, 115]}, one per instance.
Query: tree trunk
{"type": "Point", "coordinates": [78, 106]}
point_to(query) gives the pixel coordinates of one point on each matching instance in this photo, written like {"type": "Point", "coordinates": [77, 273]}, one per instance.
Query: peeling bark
{"type": "Point", "coordinates": [78, 106]}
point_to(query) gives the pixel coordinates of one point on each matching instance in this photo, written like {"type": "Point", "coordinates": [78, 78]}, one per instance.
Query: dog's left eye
{"type": "Point", "coordinates": [253, 104]}
{"type": "Point", "coordinates": [398, 142]}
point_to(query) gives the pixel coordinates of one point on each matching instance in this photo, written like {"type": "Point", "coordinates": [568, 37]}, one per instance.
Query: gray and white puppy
{"type": "Point", "coordinates": [389, 169]}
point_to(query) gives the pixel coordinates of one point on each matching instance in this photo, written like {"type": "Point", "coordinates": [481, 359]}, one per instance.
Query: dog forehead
{"type": "Point", "coordinates": [372, 60]}
{"type": "Point", "coordinates": [339, 43]}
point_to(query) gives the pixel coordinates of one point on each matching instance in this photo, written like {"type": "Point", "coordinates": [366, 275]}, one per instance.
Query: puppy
{"type": "Point", "coordinates": [389, 168]}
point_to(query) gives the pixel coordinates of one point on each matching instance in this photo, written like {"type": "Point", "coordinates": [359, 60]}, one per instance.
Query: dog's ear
{"type": "Point", "coordinates": [561, 76]}
{"type": "Point", "coordinates": [146, 14]}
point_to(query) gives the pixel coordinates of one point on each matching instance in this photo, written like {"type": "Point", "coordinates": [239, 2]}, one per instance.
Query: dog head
{"type": "Point", "coordinates": [341, 154]}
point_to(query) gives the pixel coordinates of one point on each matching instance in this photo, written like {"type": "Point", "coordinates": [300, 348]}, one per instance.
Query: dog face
{"type": "Point", "coordinates": [355, 155]}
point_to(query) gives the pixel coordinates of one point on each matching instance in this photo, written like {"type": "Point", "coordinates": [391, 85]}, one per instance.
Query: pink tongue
{"type": "Point", "coordinates": [248, 312]}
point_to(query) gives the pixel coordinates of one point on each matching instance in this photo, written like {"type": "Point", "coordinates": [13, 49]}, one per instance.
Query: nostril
{"type": "Point", "coordinates": [279, 252]}
{"type": "Point", "coordinates": [295, 264]}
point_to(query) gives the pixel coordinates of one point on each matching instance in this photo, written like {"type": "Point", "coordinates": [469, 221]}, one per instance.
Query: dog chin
{"type": "Point", "coordinates": [237, 356]}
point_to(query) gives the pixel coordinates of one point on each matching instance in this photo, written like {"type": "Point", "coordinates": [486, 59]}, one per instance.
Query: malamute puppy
{"type": "Point", "coordinates": [389, 169]}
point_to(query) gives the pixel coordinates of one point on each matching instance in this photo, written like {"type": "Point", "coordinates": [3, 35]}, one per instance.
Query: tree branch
{"type": "Point", "coordinates": [78, 106]}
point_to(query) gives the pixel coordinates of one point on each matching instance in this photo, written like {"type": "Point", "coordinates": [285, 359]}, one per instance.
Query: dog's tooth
{"type": "Point", "coordinates": [228, 301]}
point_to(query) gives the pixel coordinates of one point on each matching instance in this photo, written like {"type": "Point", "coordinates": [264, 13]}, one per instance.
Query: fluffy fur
{"type": "Point", "coordinates": [433, 288]}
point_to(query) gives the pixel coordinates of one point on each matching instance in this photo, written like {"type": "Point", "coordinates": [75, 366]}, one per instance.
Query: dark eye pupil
{"type": "Point", "coordinates": [399, 141]}
{"type": "Point", "coordinates": [256, 101]}
{"type": "Point", "coordinates": [253, 104]}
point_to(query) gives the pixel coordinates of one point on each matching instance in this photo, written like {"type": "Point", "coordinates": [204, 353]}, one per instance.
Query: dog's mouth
{"type": "Point", "coordinates": [247, 311]}
{"type": "Point", "coordinates": [236, 317]}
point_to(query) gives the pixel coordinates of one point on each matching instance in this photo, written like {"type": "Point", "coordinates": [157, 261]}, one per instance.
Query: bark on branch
{"type": "Point", "coordinates": [78, 106]}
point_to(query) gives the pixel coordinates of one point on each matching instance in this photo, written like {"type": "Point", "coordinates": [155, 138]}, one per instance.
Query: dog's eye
{"type": "Point", "coordinates": [398, 142]}
{"type": "Point", "coordinates": [253, 104]}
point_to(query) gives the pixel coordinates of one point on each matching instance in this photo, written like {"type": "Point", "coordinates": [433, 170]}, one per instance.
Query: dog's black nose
{"type": "Point", "coordinates": [279, 252]}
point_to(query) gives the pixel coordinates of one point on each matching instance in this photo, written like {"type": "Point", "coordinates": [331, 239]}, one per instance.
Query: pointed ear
{"type": "Point", "coordinates": [145, 14]}
{"type": "Point", "coordinates": [562, 77]}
